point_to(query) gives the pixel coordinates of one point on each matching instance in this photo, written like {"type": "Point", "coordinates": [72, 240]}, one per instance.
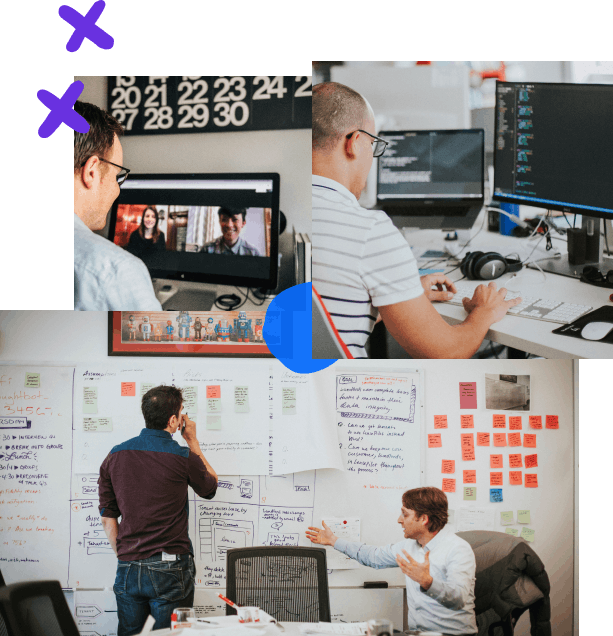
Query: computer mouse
{"type": "Point", "coordinates": [596, 330]}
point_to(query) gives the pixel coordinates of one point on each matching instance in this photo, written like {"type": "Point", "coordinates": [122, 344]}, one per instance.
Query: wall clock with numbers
{"type": "Point", "coordinates": [154, 105]}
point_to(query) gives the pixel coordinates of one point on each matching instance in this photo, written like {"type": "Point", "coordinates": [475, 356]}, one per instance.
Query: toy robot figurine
{"type": "Point", "coordinates": [132, 327]}
{"type": "Point", "coordinates": [198, 330]}
{"type": "Point", "coordinates": [223, 331]}
{"type": "Point", "coordinates": [145, 327]}
{"type": "Point", "coordinates": [157, 332]}
{"type": "Point", "coordinates": [258, 330]}
{"type": "Point", "coordinates": [242, 327]}
{"type": "Point", "coordinates": [184, 320]}
{"type": "Point", "coordinates": [209, 330]}
{"type": "Point", "coordinates": [169, 330]}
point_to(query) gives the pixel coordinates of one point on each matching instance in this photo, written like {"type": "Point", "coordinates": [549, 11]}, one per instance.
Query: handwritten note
{"type": "Point", "coordinates": [345, 528]}
{"type": "Point", "coordinates": [448, 466]}
{"type": "Point", "coordinates": [529, 440]}
{"type": "Point", "coordinates": [241, 399]}
{"type": "Point", "coordinates": [288, 400]}
{"type": "Point", "coordinates": [536, 421]}
{"type": "Point", "coordinates": [468, 395]}
{"type": "Point", "coordinates": [448, 485]}
{"type": "Point", "coordinates": [97, 424]}
{"type": "Point", "coordinates": [213, 391]}
{"type": "Point", "coordinates": [495, 461]}
{"type": "Point", "coordinates": [551, 421]}
{"type": "Point", "coordinates": [213, 405]}
{"type": "Point", "coordinates": [468, 446]}
{"type": "Point", "coordinates": [523, 516]}
{"type": "Point", "coordinates": [128, 389]}
{"type": "Point", "coordinates": [506, 518]}
{"type": "Point", "coordinates": [496, 495]}
{"type": "Point", "coordinates": [469, 476]}
{"type": "Point", "coordinates": [434, 440]}
{"type": "Point", "coordinates": [467, 421]}
{"type": "Point", "coordinates": [90, 399]}
{"type": "Point", "coordinates": [483, 439]}
{"type": "Point", "coordinates": [213, 422]}
{"type": "Point", "coordinates": [500, 439]}
{"type": "Point", "coordinates": [440, 421]}
{"type": "Point", "coordinates": [515, 423]}
{"type": "Point", "coordinates": [532, 461]}
{"type": "Point", "coordinates": [145, 387]}
{"type": "Point", "coordinates": [512, 531]}
{"type": "Point", "coordinates": [515, 478]}
{"type": "Point", "coordinates": [500, 421]}
{"type": "Point", "coordinates": [514, 439]}
{"type": "Point", "coordinates": [532, 480]}
{"type": "Point", "coordinates": [32, 380]}
{"type": "Point", "coordinates": [470, 493]}
{"type": "Point", "coordinates": [496, 479]}
{"type": "Point", "coordinates": [527, 534]}
{"type": "Point", "coordinates": [190, 400]}
{"type": "Point", "coordinates": [515, 461]}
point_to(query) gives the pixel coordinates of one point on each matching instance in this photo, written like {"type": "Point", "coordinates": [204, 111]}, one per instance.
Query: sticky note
{"type": "Point", "coordinates": [500, 421]}
{"type": "Point", "coordinates": [515, 461]}
{"type": "Point", "coordinates": [470, 493]}
{"type": "Point", "coordinates": [495, 495]}
{"type": "Point", "coordinates": [128, 389]}
{"type": "Point", "coordinates": [523, 516]}
{"type": "Point", "coordinates": [32, 380]}
{"type": "Point", "coordinates": [536, 421]}
{"type": "Point", "coordinates": [468, 447]}
{"type": "Point", "coordinates": [288, 400]}
{"type": "Point", "coordinates": [145, 387]}
{"type": "Point", "coordinates": [213, 405]}
{"type": "Point", "coordinates": [440, 421]}
{"type": "Point", "coordinates": [506, 518]}
{"type": "Point", "coordinates": [495, 461]}
{"type": "Point", "coordinates": [90, 399]}
{"type": "Point", "coordinates": [514, 439]}
{"type": "Point", "coordinates": [213, 391]}
{"type": "Point", "coordinates": [241, 399]}
{"type": "Point", "coordinates": [213, 422]}
{"type": "Point", "coordinates": [500, 439]}
{"type": "Point", "coordinates": [467, 421]}
{"type": "Point", "coordinates": [434, 440]}
{"type": "Point", "coordinates": [496, 479]}
{"type": "Point", "coordinates": [512, 531]}
{"type": "Point", "coordinates": [527, 534]}
{"type": "Point", "coordinates": [529, 440]}
{"type": "Point", "coordinates": [448, 485]}
{"type": "Point", "coordinates": [97, 424]}
{"type": "Point", "coordinates": [515, 423]}
{"type": "Point", "coordinates": [531, 461]}
{"type": "Point", "coordinates": [468, 395]}
{"type": "Point", "coordinates": [190, 400]}
{"type": "Point", "coordinates": [551, 421]}
{"type": "Point", "coordinates": [532, 480]}
{"type": "Point", "coordinates": [483, 439]}
{"type": "Point", "coordinates": [448, 466]}
{"type": "Point", "coordinates": [515, 477]}
{"type": "Point", "coordinates": [469, 476]}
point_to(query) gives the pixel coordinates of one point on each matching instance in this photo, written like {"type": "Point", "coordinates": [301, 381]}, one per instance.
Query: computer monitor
{"type": "Point", "coordinates": [432, 177]}
{"type": "Point", "coordinates": [209, 228]}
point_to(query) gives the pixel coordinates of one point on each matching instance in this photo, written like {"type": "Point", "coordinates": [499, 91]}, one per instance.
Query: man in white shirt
{"type": "Point", "coordinates": [106, 277]}
{"type": "Point", "coordinates": [438, 565]}
{"type": "Point", "coordinates": [361, 262]}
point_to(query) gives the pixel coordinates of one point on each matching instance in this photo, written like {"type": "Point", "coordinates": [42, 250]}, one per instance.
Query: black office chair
{"type": "Point", "coordinates": [3, 628]}
{"type": "Point", "coordinates": [290, 583]}
{"type": "Point", "coordinates": [37, 608]}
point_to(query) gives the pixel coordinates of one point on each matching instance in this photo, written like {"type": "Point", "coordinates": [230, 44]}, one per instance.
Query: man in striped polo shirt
{"type": "Point", "coordinates": [361, 262]}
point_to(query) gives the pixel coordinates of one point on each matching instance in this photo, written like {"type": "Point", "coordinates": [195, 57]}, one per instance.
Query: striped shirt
{"type": "Point", "coordinates": [360, 261]}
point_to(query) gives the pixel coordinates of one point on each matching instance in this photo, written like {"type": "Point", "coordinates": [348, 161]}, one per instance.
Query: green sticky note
{"type": "Point", "coordinates": [32, 380]}
{"type": "Point", "coordinates": [97, 424]}
{"type": "Point", "coordinates": [190, 400]}
{"type": "Point", "coordinates": [527, 534]}
{"type": "Point", "coordinates": [144, 387]}
{"type": "Point", "coordinates": [213, 405]}
{"type": "Point", "coordinates": [213, 422]}
{"type": "Point", "coordinates": [90, 399]}
{"type": "Point", "coordinates": [512, 531]}
{"type": "Point", "coordinates": [506, 518]}
{"type": "Point", "coordinates": [241, 399]}
{"type": "Point", "coordinates": [288, 400]}
{"type": "Point", "coordinates": [523, 516]}
{"type": "Point", "coordinates": [470, 493]}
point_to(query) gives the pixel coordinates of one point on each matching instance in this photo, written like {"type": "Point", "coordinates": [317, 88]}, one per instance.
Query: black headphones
{"type": "Point", "coordinates": [487, 265]}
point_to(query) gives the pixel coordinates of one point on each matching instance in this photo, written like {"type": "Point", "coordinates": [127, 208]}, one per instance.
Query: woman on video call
{"type": "Point", "coordinates": [148, 239]}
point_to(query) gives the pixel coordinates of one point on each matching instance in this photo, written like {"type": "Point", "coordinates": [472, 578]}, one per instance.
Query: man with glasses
{"type": "Point", "coordinates": [106, 277]}
{"type": "Point", "coordinates": [362, 265]}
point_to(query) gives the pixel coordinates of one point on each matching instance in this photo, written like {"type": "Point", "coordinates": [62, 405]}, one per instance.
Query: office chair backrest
{"type": "Point", "coordinates": [290, 583]}
{"type": "Point", "coordinates": [37, 608]}
{"type": "Point", "coordinates": [327, 343]}
{"type": "Point", "coordinates": [3, 628]}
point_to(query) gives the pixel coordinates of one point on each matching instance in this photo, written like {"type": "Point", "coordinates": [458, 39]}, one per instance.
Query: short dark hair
{"type": "Point", "coordinates": [99, 139]}
{"type": "Point", "coordinates": [428, 501]}
{"type": "Point", "coordinates": [233, 212]}
{"type": "Point", "coordinates": [160, 404]}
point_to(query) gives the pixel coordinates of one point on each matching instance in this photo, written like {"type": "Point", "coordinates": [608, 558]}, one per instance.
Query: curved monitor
{"type": "Point", "coordinates": [210, 228]}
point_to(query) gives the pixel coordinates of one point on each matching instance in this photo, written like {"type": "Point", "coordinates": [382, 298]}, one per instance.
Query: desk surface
{"type": "Point", "coordinates": [525, 334]}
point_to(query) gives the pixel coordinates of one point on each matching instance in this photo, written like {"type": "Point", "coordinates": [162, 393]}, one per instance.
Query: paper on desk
{"type": "Point", "coordinates": [348, 629]}
{"type": "Point", "coordinates": [344, 528]}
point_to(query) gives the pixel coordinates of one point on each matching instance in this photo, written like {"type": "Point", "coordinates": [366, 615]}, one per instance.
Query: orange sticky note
{"type": "Point", "coordinates": [448, 466]}
{"type": "Point", "coordinates": [448, 485]}
{"type": "Point", "coordinates": [515, 478]}
{"type": "Point", "coordinates": [434, 440]}
{"type": "Point", "coordinates": [467, 421]}
{"type": "Point", "coordinates": [500, 421]}
{"type": "Point", "coordinates": [213, 391]}
{"type": "Point", "coordinates": [468, 446]}
{"type": "Point", "coordinates": [515, 423]}
{"type": "Point", "coordinates": [551, 421]}
{"type": "Point", "coordinates": [515, 461]}
{"type": "Point", "coordinates": [500, 439]}
{"type": "Point", "coordinates": [470, 476]}
{"type": "Point", "coordinates": [468, 454]}
{"type": "Point", "coordinates": [128, 388]}
{"type": "Point", "coordinates": [495, 479]}
{"type": "Point", "coordinates": [483, 439]}
{"type": "Point", "coordinates": [529, 440]}
{"type": "Point", "coordinates": [514, 439]}
{"type": "Point", "coordinates": [495, 461]}
{"type": "Point", "coordinates": [440, 421]}
{"type": "Point", "coordinates": [536, 421]}
{"type": "Point", "coordinates": [531, 461]}
{"type": "Point", "coordinates": [532, 481]}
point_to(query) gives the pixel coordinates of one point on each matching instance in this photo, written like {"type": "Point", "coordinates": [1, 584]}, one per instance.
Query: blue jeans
{"type": "Point", "coordinates": [152, 586]}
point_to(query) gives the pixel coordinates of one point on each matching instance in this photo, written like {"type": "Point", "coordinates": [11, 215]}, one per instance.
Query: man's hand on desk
{"type": "Point", "coordinates": [418, 572]}
{"type": "Point", "coordinates": [490, 301]}
{"type": "Point", "coordinates": [445, 289]}
{"type": "Point", "coordinates": [323, 537]}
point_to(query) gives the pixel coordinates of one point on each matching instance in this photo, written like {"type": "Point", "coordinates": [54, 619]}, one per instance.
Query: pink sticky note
{"type": "Point", "coordinates": [515, 461]}
{"type": "Point", "coordinates": [468, 395]}
{"type": "Point", "coordinates": [448, 485]}
{"type": "Point", "coordinates": [515, 423]}
{"type": "Point", "coordinates": [495, 461]}
{"type": "Point", "coordinates": [551, 421]}
{"type": "Point", "coordinates": [536, 421]}
{"type": "Point", "coordinates": [448, 466]}
{"type": "Point", "coordinates": [514, 439]}
{"type": "Point", "coordinates": [128, 388]}
{"type": "Point", "coordinates": [440, 421]}
{"type": "Point", "coordinates": [529, 440]}
{"type": "Point", "coordinates": [500, 439]}
{"type": "Point", "coordinates": [495, 479]}
{"type": "Point", "coordinates": [434, 440]}
{"type": "Point", "coordinates": [515, 478]}
{"type": "Point", "coordinates": [470, 476]}
{"type": "Point", "coordinates": [213, 391]}
{"type": "Point", "coordinates": [483, 439]}
{"type": "Point", "coordinates": [467, 421]}
{"type": "Point", "coordinates": [500, 421]}
{"type": "Point", "coordinates": [532, 461]}
{"type": "Point", "coordinates": [532, 481]}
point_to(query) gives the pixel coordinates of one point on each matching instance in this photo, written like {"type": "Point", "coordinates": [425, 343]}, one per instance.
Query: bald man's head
{"type": "Point", "coordinates": [337, 111]}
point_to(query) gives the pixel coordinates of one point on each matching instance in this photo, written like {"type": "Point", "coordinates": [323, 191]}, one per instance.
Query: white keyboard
{"type": "Point", "coordinates": [530, 307]}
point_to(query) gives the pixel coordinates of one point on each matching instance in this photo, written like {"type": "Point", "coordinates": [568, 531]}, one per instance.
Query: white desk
{"type": "Point", "coordinates": [525, 334]}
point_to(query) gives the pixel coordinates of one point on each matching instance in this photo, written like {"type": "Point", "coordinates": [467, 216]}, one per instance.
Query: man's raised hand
{"type": "Point", "coordinates": [418, 572]}
{"type": "Point", "coordinates": [323, 537]}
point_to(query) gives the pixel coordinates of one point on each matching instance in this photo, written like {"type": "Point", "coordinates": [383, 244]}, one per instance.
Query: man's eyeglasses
{"type": "Point", "coordinates": [378, 147]}
{"type": "Point", "coordinates": [123, 173]}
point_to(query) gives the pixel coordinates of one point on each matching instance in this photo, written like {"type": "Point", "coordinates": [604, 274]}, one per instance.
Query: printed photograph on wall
{"type": "Point", "coordinates": [507, 392]}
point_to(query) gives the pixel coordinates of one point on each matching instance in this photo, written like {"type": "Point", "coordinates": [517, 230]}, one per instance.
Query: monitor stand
{"type": "Point", "coordinates": [180, 295]}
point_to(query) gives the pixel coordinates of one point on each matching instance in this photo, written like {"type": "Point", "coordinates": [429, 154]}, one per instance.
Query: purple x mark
{"type": "Point", "coordinates": [85, 27]}
{"type": "Point", "coordinates": [62, 111]}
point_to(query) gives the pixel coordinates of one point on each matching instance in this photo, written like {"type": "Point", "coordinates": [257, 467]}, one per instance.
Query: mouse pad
{"type": "Point", "coordinates": [573, 329]}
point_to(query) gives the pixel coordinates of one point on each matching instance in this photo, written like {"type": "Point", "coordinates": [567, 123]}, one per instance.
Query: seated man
{"type": "Point", "coordinates": [439, 566]}
{"type": "Point", "coordinates": [232, 221]}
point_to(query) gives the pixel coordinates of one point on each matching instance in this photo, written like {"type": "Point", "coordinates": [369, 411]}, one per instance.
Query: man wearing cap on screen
{"type": "Point", "coordinates": [232, 222]}
{"type": "Point", "coordinates": [439, 566]}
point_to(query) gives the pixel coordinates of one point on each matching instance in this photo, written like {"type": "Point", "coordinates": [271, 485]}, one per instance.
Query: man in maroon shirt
{"type": "Point", "coordinates": [144, 481]}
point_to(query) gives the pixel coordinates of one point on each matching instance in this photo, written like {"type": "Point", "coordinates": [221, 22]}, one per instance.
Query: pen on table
{"type": "Point", "coordinates": [202, 620]}
{"type": "Point", "coordinates": [228, 601]}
